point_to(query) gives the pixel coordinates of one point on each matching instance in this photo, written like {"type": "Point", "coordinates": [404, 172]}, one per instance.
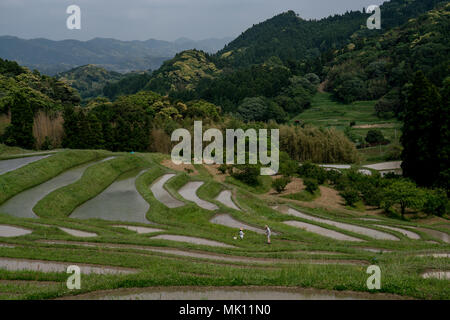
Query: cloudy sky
{"type": "Point", "coordinates": [157, 19]}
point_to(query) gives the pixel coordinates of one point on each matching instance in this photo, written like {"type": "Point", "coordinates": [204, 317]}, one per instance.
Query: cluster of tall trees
{"type": "Point", "coordinates": [426, 133]}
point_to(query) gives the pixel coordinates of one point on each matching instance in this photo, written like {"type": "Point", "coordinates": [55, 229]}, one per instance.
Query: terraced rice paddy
{"type": "Point", "coordinates": [14, 164]}
{"type": "Point", "coordinates": [225, 198]}
{"type": "Point", "coordinates": [22, 204]}
{"type": "Point", "coordinates": [192, 240]}
{"type": "Point", "coordinates": [189, 192]}
{"type": "Point", "coordinates": [119, 202]}
{"type": "Point", "coordinates": [345, 226]}
{"type": "Point", "coordinates": [321, 231]}
{"type": "Point", "coordinates": [436, 234]}
{"type": "Point", "coordinates": [10, 231]}
{"type": "Point", "coordinates": [135, 232]}
{"type": "Point", "coordinates": [227, 220]}
{"type": "Point", "coordinates": [140, 230]}
{"type": "Point", "coordinates": [163, 195]}
{"type": "Point", "coordinates": [407, 233]}
{"type": "Point", "coordinates": [79, 233]}
{"type": "Point", "coordinates": [53, 266]}
{"type": "Point", "coordinates": [229, 293]}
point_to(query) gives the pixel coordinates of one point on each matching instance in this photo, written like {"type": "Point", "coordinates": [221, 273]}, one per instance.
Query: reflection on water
{"type": "Point", "coordinates": [14, 164]}
{"type": "Point", "coordinates": [119, 202]}
{"type": "Point", "coordinates": [22, 204]}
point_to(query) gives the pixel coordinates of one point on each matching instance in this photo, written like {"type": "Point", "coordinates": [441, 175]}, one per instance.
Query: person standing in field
{"type": "Point", "coordinates": [268, 233]}
{"type": "Point", "coordinates": [241, 233]}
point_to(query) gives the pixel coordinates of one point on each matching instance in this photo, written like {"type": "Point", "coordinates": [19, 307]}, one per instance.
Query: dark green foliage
{"type": "Point", "coordinates": [351, 196]}
{"type": "Point", "coordinates": [436, 202]}
{"type": "Point", "coordinates": [201, 110]}
{"type": "Point", "coordinates": [119, 127]}
{"type": "Point", "coordinates": [378, 65]}
{"type": "Point", "coordinates": [288, 167]}
{"type": "Point", "coordinates": [425, 133]}
{"type": "Point", "coordinates": [313, 171]}
{"type": "Point", "coordinates": [404, 194]}
{"type": "Point", "coordinates": [10, 68]}
{"type": "Point", "coordinates": [247, 173]}
{"type": "Point", "coordinates": [47, 144]}
{"type": "Point", "coordinates": [222, 168]}
{"type": "Point", "coordinates": [311, 185]}
{"type": "Point", "coordinates": [375, 137]}
{"type": "Point", "coordinates": [260, 109]}
{"type": "Point", "coordinates": [89, 80]}
{"type": "Point", "coordinates": [291, 38]}
{"type": "Point", "coordinates": [280, 184]}
{"type": "Point", "coordinates": [129, 84]}
{"type": "Point", "coordinates": [20, 131]}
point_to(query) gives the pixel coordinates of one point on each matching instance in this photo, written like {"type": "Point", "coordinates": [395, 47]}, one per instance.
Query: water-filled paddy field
{"type": "Point", "coordinates": [149, 224]}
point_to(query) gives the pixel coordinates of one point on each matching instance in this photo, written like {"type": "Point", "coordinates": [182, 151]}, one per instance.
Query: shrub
{"type": "Point", "coordinates": [313, 171]}
{"type": "Point", "coordinates": [311, 185]}
{"type": "Point", "coordinates": [334, 176]}
{"type": "Point", "coordinates": [247, 173]}
{"type": "Point", "coordinates": [222, 168]}
{"type": "Point", "coordinates": [351, 196]}
{"type": "Point", "coordinates": [280, 184]}
{"type": "Point", "coordinates": [288, 167]}
{"type": "Point", "coordinates": [436, 202]}
{"type": "Point", "coordinates": [375, 137]}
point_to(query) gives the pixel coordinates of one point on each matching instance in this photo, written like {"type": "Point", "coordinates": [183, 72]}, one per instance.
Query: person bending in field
{"type": "Point", "coordinates": [241, 234]}
{"type": "Point", "coordinates": [268, 233]}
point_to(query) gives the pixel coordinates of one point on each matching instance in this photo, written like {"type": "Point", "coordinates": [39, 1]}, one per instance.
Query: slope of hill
{"type": "Point", "coordinates": [51, 57]}
{"type": "Point", "coordinates": [289, 37]}
{"type": "Point", "coordinates": [183, 72]}
{"type": "Point", "coordinates": [89, 80]}
{"type": "Point", "coordinates": [375, 67]}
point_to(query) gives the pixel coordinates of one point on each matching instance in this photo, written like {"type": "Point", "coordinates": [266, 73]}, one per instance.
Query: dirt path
{"type": "Point", "coordinates": [181, 167]}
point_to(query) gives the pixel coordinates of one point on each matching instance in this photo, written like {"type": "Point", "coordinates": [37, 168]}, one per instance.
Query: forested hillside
{"type": "Point", "coordinates": [290, 37]}
{"type": "Point", "coordinates": [89, 80]}
{"type": "Point", "coordinates": [380, 67]}
{"type": "Point", "coordinates": [30, 106]}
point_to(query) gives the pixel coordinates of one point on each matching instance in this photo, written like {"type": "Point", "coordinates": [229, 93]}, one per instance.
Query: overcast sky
{"type": "Point", "coordinates": [156, 19]}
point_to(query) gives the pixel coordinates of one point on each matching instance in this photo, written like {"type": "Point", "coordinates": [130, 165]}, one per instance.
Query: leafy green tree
{"type": "Point", "coordinates": [20, 131]}
{"type": "Point", "coordinates": [311, 185]}
{"type": "Point", "coordinates": [280, 184]}
{"type": "Point", "coordinates": [436, 202]}
{"type": "Point", "coordinates": [403, 193]}
{"type": "Point", "coordinates": [350, 196]}
{"type": "Point", "coordinates": [247, 173]}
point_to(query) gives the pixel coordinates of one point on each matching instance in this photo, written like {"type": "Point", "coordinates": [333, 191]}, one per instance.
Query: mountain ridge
{"type": "Point", "coordinates": [56, 56]}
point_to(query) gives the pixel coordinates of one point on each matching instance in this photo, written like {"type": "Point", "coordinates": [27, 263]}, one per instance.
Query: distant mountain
{"type": "Point", "coordinates": [52, 57]}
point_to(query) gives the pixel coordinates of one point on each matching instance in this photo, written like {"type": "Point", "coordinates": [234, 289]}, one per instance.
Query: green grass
{"type": "Point", "coordinates": [303, 196]}
{"type": "Point", "coordinates": [61, 202]}
{"type": "Point", "coordinates": [264, 185]}
{"type": "Point", "coordinates": [400, 270]}
{"type": "Point", "coordinates": [40, 171]}
{"type": "Point", "coordinates": [327, 113]}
